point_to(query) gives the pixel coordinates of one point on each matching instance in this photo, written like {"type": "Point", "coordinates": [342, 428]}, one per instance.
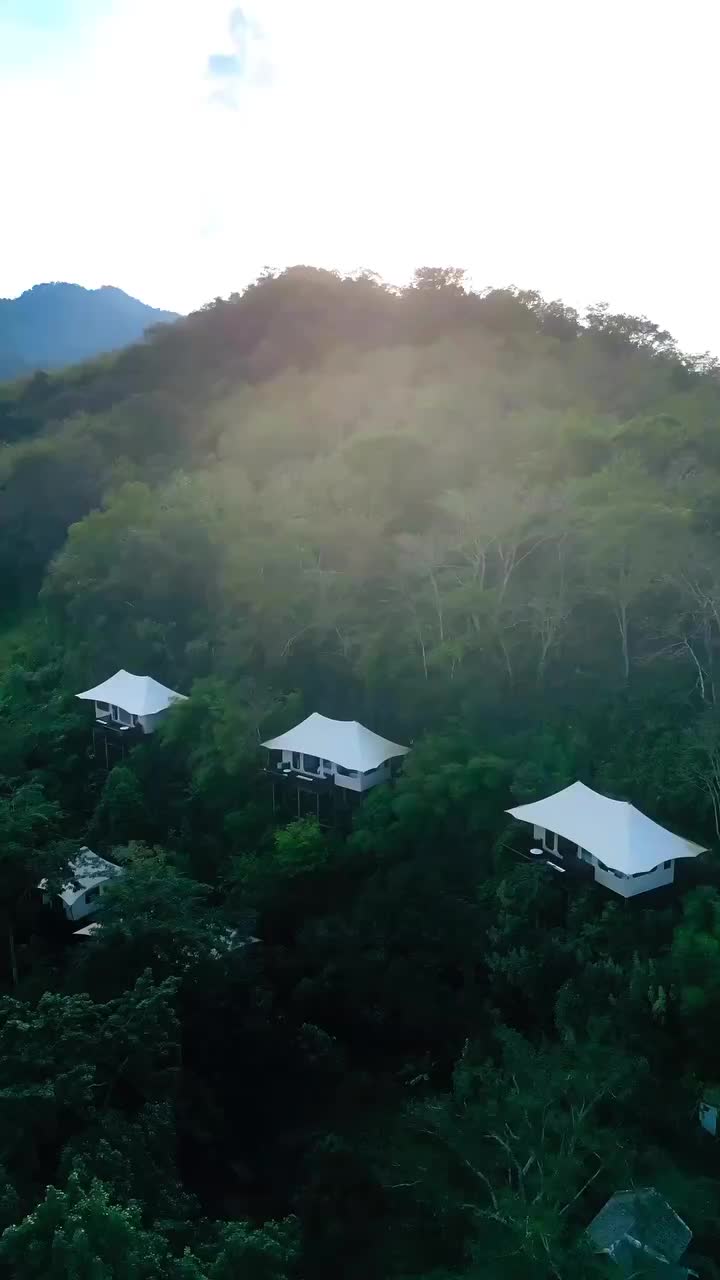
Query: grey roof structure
{"type": "Point", "coordinates": [636, 1262]}
{"type": "Point", "coordinates": [86, 870]}
{"type": "Point", "coordinates": [640, 1224]}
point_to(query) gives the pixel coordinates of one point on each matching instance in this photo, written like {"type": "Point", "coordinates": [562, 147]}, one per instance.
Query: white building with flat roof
{"type": "Point", "coordinates": [628, 852]}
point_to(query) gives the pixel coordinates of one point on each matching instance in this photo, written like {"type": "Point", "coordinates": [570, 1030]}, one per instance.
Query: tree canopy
{"type": "Point", "coordinates": [486, 526]}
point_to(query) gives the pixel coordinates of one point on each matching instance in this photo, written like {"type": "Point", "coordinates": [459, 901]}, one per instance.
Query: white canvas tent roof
{"type": "Point", "coordinates": [139, 695]}
{"type": "Point", "coordinates": [86, 870]}
{"type": "Point", "coordinates": [345, 742]}
{"type": "Point", "coordinates": [614, 831]}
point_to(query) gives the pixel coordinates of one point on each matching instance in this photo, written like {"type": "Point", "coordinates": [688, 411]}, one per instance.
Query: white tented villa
{"type": "Point", "coordinates": [341, 753]}
{"type": "Point", "coordinates": [88, 875]}
{"type": "Point", "coordinates": [628, 852]}
{"type": "Point", "coordinates": [127, 702]}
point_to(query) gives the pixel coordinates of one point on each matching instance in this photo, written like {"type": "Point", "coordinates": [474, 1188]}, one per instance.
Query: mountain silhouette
{"type": "Point", "coordinates": [56, 324]}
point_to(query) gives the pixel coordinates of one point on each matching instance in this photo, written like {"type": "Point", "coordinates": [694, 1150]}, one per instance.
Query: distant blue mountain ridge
{"type": "Point", "coordinates": [52, 325]}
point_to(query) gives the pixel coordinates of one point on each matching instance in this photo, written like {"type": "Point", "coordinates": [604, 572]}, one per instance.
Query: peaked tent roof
{"type": "Point", "coordinates": [640, 1218]}
{"type": "Point", "coordinates": [86, 870]}
{"type": "Point", "coordinates": [140, 695]}
{"type": "Point", "coordinates": [614, 831]}
{"type": "Point", "coordinates": [345, 742]}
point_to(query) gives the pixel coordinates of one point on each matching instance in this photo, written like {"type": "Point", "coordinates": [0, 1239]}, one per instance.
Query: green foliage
{"type": "Point", "coordinates": [67, 1059]}
{"type": "Point", "coordinates": [79, 1234]}
{"type": "Point", "coordinates": [695, 973]}
{"type": "Point", "coordinates": [501, 1165]}
{"type": "Point", "coordinates": [265, 1254]}
{"type": "Point", "coordinates": [485, 526]}
{"type": "Point", "coordinates": [300, 848]}
{"type": "Point", "coordinates": [136, 1160]}
{"type": "Point", "coordinates": [83, 1233]}
{"type": "Point", "coordinates": [28, 820]}
{"type": "Point", "coordinates": [153, 918]}
{"type": "Point", "coordinates": [120, 814]}
{"type": "Point", "coordinates": [280, 879]}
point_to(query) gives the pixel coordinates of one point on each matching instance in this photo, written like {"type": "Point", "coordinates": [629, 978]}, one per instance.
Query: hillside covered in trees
{"type": "Point", "coordinates": [53, 324]}
{"type": "Point", "coordinates": [480, 524]}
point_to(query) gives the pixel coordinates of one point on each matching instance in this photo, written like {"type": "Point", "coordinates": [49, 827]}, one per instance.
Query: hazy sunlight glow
{"type": "Point", "coordinates": [174, 147]}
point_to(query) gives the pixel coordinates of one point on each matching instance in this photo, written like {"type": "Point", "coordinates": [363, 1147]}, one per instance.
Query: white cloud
{"type": "Point", "coordinates": [564, 146]}
{"type": "Point", "coordinates": [245, 63]}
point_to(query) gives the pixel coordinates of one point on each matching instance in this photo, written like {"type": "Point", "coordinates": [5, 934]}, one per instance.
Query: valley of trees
{"type": "Point", "coordinates": [480, 524]}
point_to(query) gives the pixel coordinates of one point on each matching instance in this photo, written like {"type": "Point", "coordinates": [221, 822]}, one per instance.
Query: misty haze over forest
{"type": "Point", "coordinates": [389, 1042]}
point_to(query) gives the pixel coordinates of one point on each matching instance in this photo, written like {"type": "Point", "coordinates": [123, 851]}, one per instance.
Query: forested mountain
{"type": "Point", "coordinates": [55, 324]}
{"type": "Point", "coordinates": [480, 524]}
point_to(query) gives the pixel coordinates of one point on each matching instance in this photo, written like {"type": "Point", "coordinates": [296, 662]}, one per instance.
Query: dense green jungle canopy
{"type": "Point", "coordinates": [477, 523]}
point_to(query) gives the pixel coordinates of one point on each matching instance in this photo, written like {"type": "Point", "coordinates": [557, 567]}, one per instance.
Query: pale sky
{"type": "Point", "coordinates": [175, 147]}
